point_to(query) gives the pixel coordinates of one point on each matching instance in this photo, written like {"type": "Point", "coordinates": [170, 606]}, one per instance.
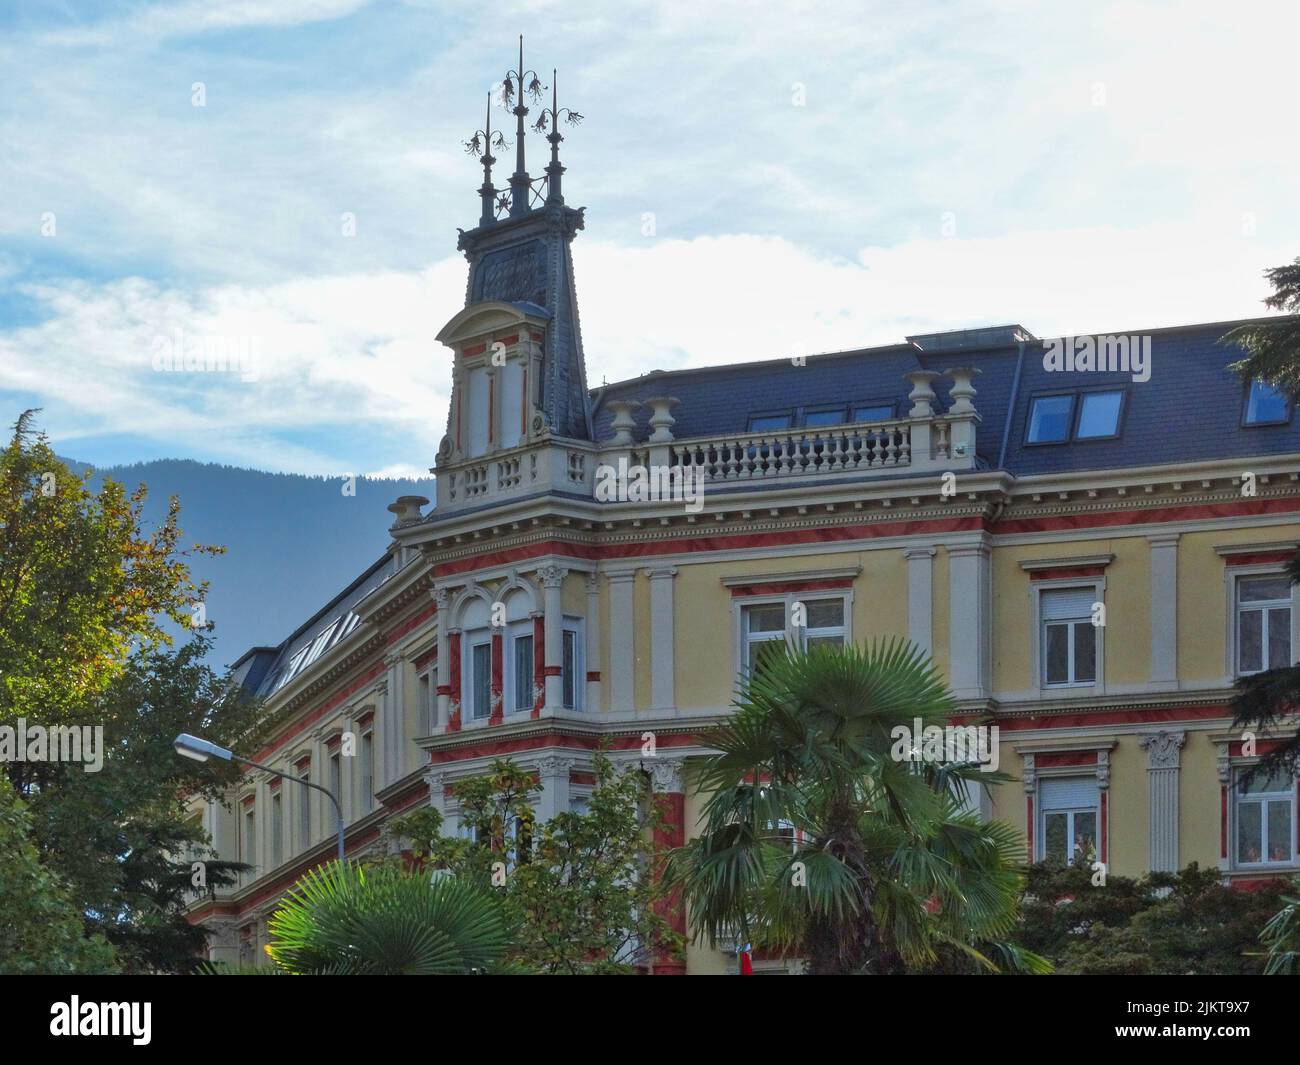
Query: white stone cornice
{"type": "Point", "coordinates": [840, 573]}
{"type": "Point", "coordinates": [1031, 565]}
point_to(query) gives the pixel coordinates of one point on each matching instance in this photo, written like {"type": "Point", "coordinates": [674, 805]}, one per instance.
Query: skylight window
{"type": "Point", "coordinates": [761, 423]}
{"type": "Point", "coordinates": [1049, 419]}
{"type": "Point", "coordinates": [879, 412]}
{"type": "Point", "coordinates": [1099, 415]}
{"type": "Point", "coordinates": [824, 417]}
{"type": "Point", "coordinates": [1266, 405]}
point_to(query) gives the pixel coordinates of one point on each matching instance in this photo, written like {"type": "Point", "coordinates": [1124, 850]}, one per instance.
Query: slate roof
{"type": "Point", "coordinates": [263, 670]}
{"type": "Point", "coordinates": [1190, 410]}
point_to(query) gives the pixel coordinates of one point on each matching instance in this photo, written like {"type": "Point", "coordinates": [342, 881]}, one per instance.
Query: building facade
{"type": "Point", "coordinates": [1087, 535]}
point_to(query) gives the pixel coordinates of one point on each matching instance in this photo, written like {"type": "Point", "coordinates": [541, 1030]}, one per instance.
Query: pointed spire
{"type": "Point", "coordinates": [551, 116]}
{"type": "Point", "coordinates": [518, 83]}
{"type": "Point", "coordinates": [482, 143]}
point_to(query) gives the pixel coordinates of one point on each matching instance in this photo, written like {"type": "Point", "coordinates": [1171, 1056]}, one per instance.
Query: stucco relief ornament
{"type": "Point", "coordinates": [1163, 749]}
{"type": "Point", "coordinates": [666, 776]}
{"type": "Point", "coordinates": [551, 576]}
{"type": "Point", "coordinates": [453, 716]}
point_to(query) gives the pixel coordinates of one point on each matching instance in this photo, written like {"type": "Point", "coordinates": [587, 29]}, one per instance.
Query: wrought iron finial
{"type": "Point", "coordinates": [518, 84]}
{"type": "Point", "coordinates": [551, 117]}
{"type": "Point", "coordinates": [482, 143]}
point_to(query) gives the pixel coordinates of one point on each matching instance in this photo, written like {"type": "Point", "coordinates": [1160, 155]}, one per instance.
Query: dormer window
{"type": "Point", "coordinates": [876, 412]}
{"type": "Point", "coordinates": [1266, 405]}
{"type": "Point", "coordinates": [1049, 419]}
{"type": "Point", "coordinates": [766, 423]}
{"type": "Point", "coordinates": [815, 418]}
{"type": "Point", "coordinates": [1079, 416]}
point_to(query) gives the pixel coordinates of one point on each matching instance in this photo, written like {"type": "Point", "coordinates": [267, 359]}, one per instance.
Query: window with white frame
{"type": "Point", "coordinates": [571, 675]}
{"type": "Point", "coordinates": [277, 830]}
{"type": "Point", "coordinates": [519, 697]}
{"type": "Point", "coordinates": [480, 677]}
{"type": "Point", "coordinates": [1068, 638]}
{"type": "Point", "coordinates": [1263, 623]}
{"type": "Point", "coordinates": [1264, 817]}
{"type": "Point", "coordinates": [799, 621]}
{"type": "Point", "coordinates": [304, 798]}
{"type": "Point", "coordinates": [367, 770]}
{"type": "Point", "coordinates": [1069, 811]}
{"type": "Point", "coordinates": [427, 708]}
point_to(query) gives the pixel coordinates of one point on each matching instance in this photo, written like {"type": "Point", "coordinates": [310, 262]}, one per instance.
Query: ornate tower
{"type": "Point", "coordinates": [518, 376]}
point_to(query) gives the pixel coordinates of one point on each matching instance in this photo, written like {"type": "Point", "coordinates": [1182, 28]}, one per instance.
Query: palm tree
{"type": "Point", "coordinates": [344, 918]}
{"type": "Point", "coordinates": [1282, 937]}
{"type": "Point", "coordinates": [820, 842]}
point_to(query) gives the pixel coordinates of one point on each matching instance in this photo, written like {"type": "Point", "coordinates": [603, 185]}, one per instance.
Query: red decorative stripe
{"type": "Point", "coordinates": [593, 675]}
{"type": "Point", "coordinates": [365, 719]}
{"type": "Point", "coordinates": [1083, 719]}
{"type": "Point", "coordinates": [1065, 758]}
{"type": "Point", "coordinates": [1067, 573]}
{"type": "Point", "coordinates": [1259, 558]}
{"type": "Point", "coordinates": [582, 778]}
{"type": "Point", "coordinates": [444, 689]}
{"type": "Point", "coordinates": [552, 671]}
{"type": "Point", "coordinates": [1029, 825]}
{"type": "Point", "coordinates": [553, 738]}
{"type": "Point", "coordinates": [273, 785]}
{"type": "Point", "coordinates": [786, 587]}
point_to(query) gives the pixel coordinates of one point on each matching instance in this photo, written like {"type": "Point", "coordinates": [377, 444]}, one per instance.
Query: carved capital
{"type": "Point", "coordinates": [552, 576]}
{"type": "Point", "coordinates": [665, 775]}
{"type": "Point", "coordinates": [1163, 748]}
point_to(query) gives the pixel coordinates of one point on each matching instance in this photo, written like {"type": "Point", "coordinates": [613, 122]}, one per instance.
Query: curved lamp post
{"type": "Point", "coordinates": [200, 750]}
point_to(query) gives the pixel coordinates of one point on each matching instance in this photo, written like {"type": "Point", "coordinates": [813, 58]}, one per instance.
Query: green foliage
{"type": "Point", "coordinates": [41, 931]}
{"type": "Point", "coordinates": [578, 888]}
{"type": "Point", "coordinates": [820, 843]}
{"type": "Point", "coordinates": [345, 919]}
{"type": "Point", "coordinates": [84, 598]}
{"type": "Point", "coordinates": [1282, 938]}
{"type": "Point", "coordinates": [1273, 347]}
{"type": "Point", "coordinates": [1162, 924]}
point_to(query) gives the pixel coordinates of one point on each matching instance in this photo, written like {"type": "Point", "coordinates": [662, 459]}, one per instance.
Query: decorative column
{"type": "Point", "coordinates": [1223, 762]}
{"type": "Point", "coordinates": [394, 727]}
{"type": "Point", "coordinates": [661, 426]}
{"type": "Point", "coordinates": [593, 702]}
{"type": "Point", "coordinates": [921, 413]}
{"type": "Point", "coordinates": [553, 775]}
{"type": "Point", "coordinates": [969, 607]}
{"type": "Point", "coordinates": [453, 673]}
{"type": "Point", "coordinates": [670, 799]}
{"type": "Point", "coordinates": [1162, 798]}
{"type": "Point", "coordinates": [1029, 778]}
{"type": "Point", "coordinates": [1164, 609]}
{"type": "Point", "coordinates": [962, 415]}
{"type": "Point", "coordinates": [552, 578]}
{"type": "Point", "coordinates": [622, 641]}
{"type": "Point", "coordinates": [920, 597]}
{"type": "Point", "coordinates": [443, 666]}
{"type": "Point", "coordinates": [436, 780]}
{"type": "Point", "coordinates": [661, 638]}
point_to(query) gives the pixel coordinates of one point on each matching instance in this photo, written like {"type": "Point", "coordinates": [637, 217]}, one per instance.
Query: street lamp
{"type": "Point", "coordinates": [200, 750]}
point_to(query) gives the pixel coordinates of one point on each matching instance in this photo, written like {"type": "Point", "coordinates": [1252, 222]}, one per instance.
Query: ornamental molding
{"type": "Point", "coordinates": [1031, 565]}
{"type": "Point", "coordinates": [1163, 748]}
{"type": "Point", "coordinates": [665, 775]}
{"type": "Point", "coordinates": [840, 573]}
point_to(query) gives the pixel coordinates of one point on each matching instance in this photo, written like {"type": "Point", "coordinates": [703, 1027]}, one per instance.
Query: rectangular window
{"type": "Point", "coordinates": [250, 841]}
{"type": "Point", "coordinates": [1049, 419]}
{"type": "Point", "coordinates": [304, 812]}
{"type": "Point", "coordinates": [814, 418]}
{"type": "Point", "coordinates": [423, 708]}
{"type": "Point", "coordinates": [481, 680]}
{"type": "Point", "coordinates": [761, 423]}
{"type": "Point", "coordinates": [880, 412]}
{"type": "Point", "coordinates": [1099, 415]}
{"type": "Point", "coordinates": [367, 771]}
{"type": "Point", "coordinates": [478, 411]}
{"type": "Point", "coordinates": [277, 830]}
{"type": "Point", "coordinates": [1069, 812]}
{"type": "Point", "coordinates": [1263, 624]}
{"type": "Point", "coordinates": [1265, 818]}
{"type": "Point", "coordinates": [764, 631]}
{"type": "Point", "coordinates": [1266, 405]}
{"type": "Point", "coordinates": [336, 778]}
{"type": "Point", "coordinates": [522, 676]}
{"type": "Point", "coordinates": [569, 672]}
{"type": "Point", "coordinates": [1069, 639]}
{"type": "Point", "coordinates": [825, 623]}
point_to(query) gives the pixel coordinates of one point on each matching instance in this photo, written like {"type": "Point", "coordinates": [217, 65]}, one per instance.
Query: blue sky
{"type": "Point", "coordinates": [820, 176]}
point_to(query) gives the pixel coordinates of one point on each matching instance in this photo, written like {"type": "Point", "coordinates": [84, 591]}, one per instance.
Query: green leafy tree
{"type": "Point", "coordinates": [820, 843]}
{"type": "Point", "coordinates": [1164, 924]}
{"type": "Point", "coordinates": [86, 600]}
{"type": "Point", "coordinates": [42, 931]}
{"type": "Point", "coordinates": [579, 888]}
{"type": "Point", "coordinates": [1266, 700]}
